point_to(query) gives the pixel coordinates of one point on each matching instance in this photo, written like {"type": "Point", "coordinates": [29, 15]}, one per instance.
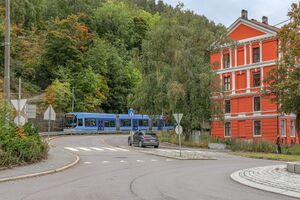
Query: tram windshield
{"type": "Point", "coordinates": [70, 121]}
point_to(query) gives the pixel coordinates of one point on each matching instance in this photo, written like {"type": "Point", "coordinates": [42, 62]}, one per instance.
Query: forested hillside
{"type": "Point", "coordinates": [115, 54]}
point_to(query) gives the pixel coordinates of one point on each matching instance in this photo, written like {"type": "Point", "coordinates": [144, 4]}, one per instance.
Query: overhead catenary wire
{"type": "Point", "coordinates": [282, 22]}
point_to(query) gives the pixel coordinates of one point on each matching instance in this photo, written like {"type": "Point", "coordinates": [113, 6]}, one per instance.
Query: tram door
{"type": "Point", "coordinates": [100, 125]}
{"type": "Point", "coordinates": [135, 124]}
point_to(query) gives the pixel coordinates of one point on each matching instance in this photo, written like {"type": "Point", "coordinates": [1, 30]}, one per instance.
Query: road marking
{"type": "Point", "coordinates": [169, 160]}
{"type": "Point", "coordinates": [121, 149]}
{"type": "Point", "coordinates": [111, 149]}
{"type": "Point", "coordinates": [87, 163]}
{"type": "Point", "coordinates": [123, 161]}
{"type": "Point", "coordinates": [106, 161]}
{"type": "Point", "coordinates": [85, 149]}
{"type": "Point", "coordinates": [139, 161]}
{"type": "Point", "coordinates": [153, 160]}
{"type": "Point", "coordinates": [97, 149]}
{"type": "Point", "coordinates": [71, 149]}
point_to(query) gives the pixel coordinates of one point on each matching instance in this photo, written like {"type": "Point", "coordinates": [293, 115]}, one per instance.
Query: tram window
{"type": "Point", "coordinates": [106, 123]}
{"type": "Point", "coordinates": [155, 123]}
{"type": "Point", "coordinates": [109, 123]}
{"type": "Point", "coordinates": [90, 122]}
{"type": "Point", "coordinates": [112, 123]}
{"type": "Point", "coordinates": [126, 122]}
{"type": "Point", "coordinates": [143, 122]}
{"type": "Point", "coordinates": [80, 122]}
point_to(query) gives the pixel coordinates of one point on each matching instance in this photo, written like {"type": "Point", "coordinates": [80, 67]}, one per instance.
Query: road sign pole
{"type": "Point", "coordinates": [131, 131]}
{"type": "Point", "coordinates": [49, 124]}
{"type": "Point", "coordinates": [19, 106]}
{"type": "Point", "coordinates": [179, 135]}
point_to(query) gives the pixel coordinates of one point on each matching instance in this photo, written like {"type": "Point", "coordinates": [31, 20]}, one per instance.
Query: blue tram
{"type": "Point", "coordinates": [79, 122]}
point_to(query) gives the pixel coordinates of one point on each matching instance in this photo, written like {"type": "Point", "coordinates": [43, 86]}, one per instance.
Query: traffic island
{"type": "Point", "coordinates": [184, 155]}
{"type": "Point", "coordinates": [274, 179]}
{"type": "Point", "coordinates": [293, 167]}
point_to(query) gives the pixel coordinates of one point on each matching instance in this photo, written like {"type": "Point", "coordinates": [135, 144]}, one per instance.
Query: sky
{"type": "Point", "coordinates": [227, 11]}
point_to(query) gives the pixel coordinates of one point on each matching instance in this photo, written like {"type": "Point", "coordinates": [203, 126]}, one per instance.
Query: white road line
{"type": "Point", "coordinates": [71, 149]}
{"type": "Point", "coordinates": [153, 160]}
{"type": "Point", "coordinates": [123, 161]}
{"type": "Point", "coordinates": [83, 148]}
{"type": "Point", "coordinates": [169, 160]}
{"type": "Point", "coordinates": [121, 149]}
{"type": "Point", "coordinates": [111, 149]}
{"type": "Point", "coordinates": [87, 163]}
{"type": "Point", "coordinates": [96, 148]}
{"type": "Point", "coordinates": [139, 161]}
{"type": "Point", "coordinates": [106, 161]}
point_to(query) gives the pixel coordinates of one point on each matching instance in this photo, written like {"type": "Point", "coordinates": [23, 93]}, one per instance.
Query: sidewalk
{"type": "Point", "coordinates": [270, 178]}
{"type": "Point", "coordinates": [58, 160]}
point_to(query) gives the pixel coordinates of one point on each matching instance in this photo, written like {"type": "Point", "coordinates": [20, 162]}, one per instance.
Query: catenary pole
{"type": "Point", "coordinates": [7, 53]}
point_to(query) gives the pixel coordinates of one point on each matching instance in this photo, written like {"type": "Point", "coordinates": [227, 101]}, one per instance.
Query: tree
{"type": "Point", "coordinates": [284, 82]}
{"type": "Point", "coordinates": [90, 91]}
{"type": "Point", "coordinates": [59, 95]}
{"type": "Point", "coordinates": [176, 68]}
{"type": "Point", "coordinates": [66, 42]}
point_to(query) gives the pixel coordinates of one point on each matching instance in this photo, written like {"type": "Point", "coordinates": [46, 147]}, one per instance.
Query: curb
{"type": "Point", "coordinates": [236, 177]}
{"type": "Point", "coordinates": [42, 173]}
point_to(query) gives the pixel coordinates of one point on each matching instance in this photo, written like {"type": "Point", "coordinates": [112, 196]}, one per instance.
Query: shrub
{"type": "Point", "coordinates": [19, 145]}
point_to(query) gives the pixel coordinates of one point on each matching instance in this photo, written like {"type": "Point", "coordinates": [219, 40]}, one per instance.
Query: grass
{"type": "Point", "coordinates": [268, 156]}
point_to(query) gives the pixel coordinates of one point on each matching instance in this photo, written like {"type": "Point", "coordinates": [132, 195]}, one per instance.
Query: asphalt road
{"type": "Point", "coordinates": [113, 174]}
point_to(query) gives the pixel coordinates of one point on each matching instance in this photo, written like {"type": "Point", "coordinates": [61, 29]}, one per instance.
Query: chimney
{"type": "Point", "coordinates": [265, 20]}
{"type": "Point", "coordinates": [244, 14]}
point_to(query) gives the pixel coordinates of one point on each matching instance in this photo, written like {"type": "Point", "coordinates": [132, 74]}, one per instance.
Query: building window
{"type": "Point", "coordinates": [283, 128]}
{"type": "Point", "coordinates": [227, 129]}
{"type": "Point", "coordinates": [256, 55]}
{"type": "Point", "coordinates": [256, 79]}
{"type": "Point", "coordinates": [256, 104]}
{"type": "Point", "coordinates": [292, 128]}
{"type": "Point", "coordinates": [257, 128]}
{"type": "Point", "coordinates": [227, 106]}
{"type": "Point", "coordinates": [226, 60]}
{"type": "Point", "coordinates": [227, 83]}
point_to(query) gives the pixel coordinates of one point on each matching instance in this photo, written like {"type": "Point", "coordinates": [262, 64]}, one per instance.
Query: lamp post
{"type": "Point", "coordinates": [7, 53]}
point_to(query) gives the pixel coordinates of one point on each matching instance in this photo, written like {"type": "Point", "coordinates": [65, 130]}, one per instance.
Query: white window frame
{"type": "Point", "coordinates": [225, 106]}
{"type": "Point", "coordinates": [227, 136]}
{"type": "Point", "coordinates": [225, 87]}
{"type": "Point", "coordinates": [292, 133]}
{"type": "Point", "coordinates": [283, 127]}
{"type": "Point", "coordinates": [258, 111]}
{"type": "Point", "coordinates": [254, 128]}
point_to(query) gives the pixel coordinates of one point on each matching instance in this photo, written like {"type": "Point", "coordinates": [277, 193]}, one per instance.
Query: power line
{"type": "Point", "coordinates": [282, 22]}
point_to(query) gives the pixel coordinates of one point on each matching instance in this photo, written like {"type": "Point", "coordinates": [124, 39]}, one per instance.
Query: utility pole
{"type": "Point", "coordinates": [7, 53]}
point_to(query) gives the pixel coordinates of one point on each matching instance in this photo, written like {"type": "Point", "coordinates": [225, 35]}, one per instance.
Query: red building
{"type": "Point", "coordinates": [242, 67]}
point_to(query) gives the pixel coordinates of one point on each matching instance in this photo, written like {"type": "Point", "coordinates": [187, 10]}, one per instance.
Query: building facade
{"type": "Point", "coordinates": [242, 67]}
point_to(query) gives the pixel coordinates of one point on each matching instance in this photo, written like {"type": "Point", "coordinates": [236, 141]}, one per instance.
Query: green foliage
{"type": "Point", "coordinates": [252, 146]}
{"type": "Point", "coordinates": [59, 95]}
{"type": "Point", "coordinates": [91, 90]}
{"type": "Point", "coordinates": [104, 49]}
{"type": "Point", "coordinates": [16, 148]}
